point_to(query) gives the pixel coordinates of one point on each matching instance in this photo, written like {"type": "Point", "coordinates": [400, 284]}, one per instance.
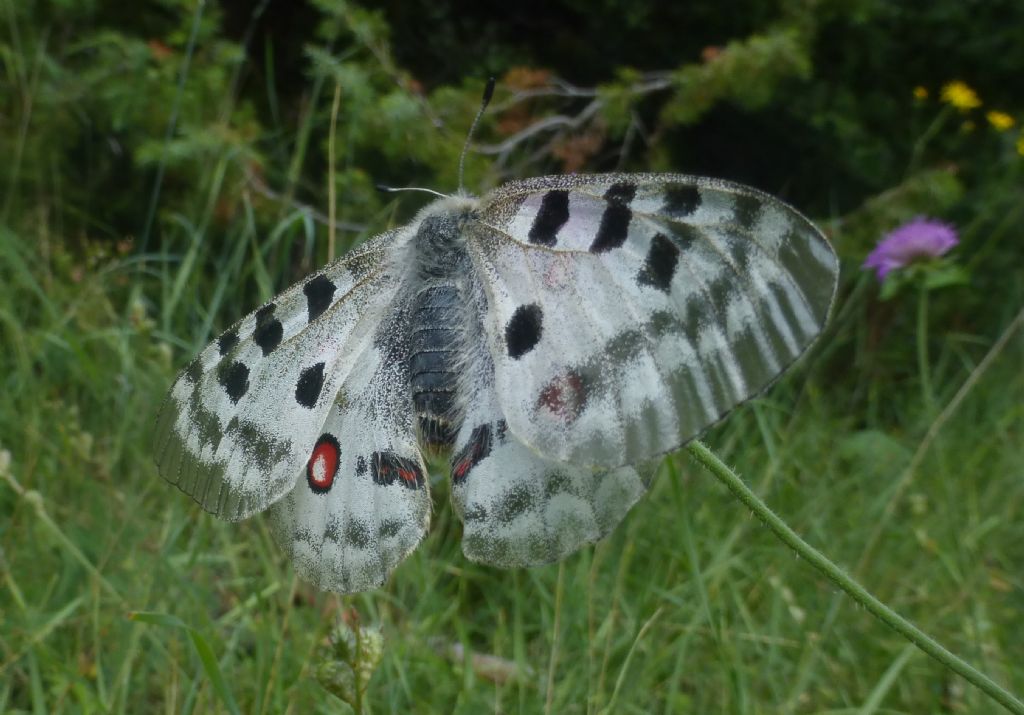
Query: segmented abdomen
{"type": "Point", "coordinates": [435, 337]}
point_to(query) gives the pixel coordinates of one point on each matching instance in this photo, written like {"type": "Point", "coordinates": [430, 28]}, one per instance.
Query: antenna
{"type": "Point", "coordinates": [488, 93]}
{"type": "Point", "coordinates": [394, 190]}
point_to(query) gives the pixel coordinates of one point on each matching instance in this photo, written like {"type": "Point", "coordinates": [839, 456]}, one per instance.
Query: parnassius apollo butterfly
{"type": "Point", "coordinates": [556, 336]}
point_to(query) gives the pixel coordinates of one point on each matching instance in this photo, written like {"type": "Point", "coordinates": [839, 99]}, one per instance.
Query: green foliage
{"type": "Point", "coordinates": [167, 168]}
{"type": "Point", "coordinates": [747, 72]}
{"type": "Point", "coordinates": [204, 650]}
{"type": "Point", "coordinates": [932, 191]}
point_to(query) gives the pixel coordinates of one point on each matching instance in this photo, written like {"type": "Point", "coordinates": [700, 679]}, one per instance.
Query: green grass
{"type": "Point", "coordinates": [690, 605]}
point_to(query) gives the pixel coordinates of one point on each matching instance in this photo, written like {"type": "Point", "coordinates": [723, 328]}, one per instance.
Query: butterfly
{"type": "Point", "coordinates": [555, 337]}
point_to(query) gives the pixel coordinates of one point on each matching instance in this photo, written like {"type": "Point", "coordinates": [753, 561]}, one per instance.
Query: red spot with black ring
{"type": "Point", "coordinates": [323, 464]}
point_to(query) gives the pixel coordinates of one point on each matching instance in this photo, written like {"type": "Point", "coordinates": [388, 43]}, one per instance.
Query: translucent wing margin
{"type": "Point", "coordinates": [241, 420]}
{"type": "Point", "coordinates": [627, 313]}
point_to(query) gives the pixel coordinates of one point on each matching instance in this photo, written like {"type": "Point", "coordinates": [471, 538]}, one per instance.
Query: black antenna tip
{"type": "Point", "coordinates": [488, 91]}
{"type": "Point", "coordinates": [385, 189]}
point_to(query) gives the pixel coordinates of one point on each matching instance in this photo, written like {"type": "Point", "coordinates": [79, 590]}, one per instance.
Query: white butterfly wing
{"type": "Point", "coordinates": [240, 423]}
{"type": "Point", "coordinates": [622, 315]}
{"type": "Point", "coordinates": [519, 508]}
{"type": "Point", "coordinates": [362, 504]}
{"type": "Point", "coordinates": [627, 313]}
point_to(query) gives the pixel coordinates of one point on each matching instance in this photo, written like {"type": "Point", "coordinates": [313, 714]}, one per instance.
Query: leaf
{"type": "Point", "coordinates": [206, 655]}
{"type": "Point", "coordinates": [894, 283]}
{"type": "Point", "coordinates": [944, 275]}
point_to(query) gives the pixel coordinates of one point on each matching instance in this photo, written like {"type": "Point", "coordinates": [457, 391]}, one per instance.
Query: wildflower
{"type": "Point", "coordinates": [920, 93]}
{"type": "Point", "coordinates": [1000, 120]}
{"type": "Point", "coordinates": [919, 238]}
{"type": "Point", "coordinates": [1020, 145]}
{"type": "Point", "coordinates": [960, 95]}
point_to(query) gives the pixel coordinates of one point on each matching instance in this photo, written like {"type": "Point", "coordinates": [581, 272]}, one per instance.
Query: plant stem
{"type": "Point", "coordinates": [926, 136]}
{"type": "Point", "coordinates": [172, 124]}
{"type": "Point", "coordinates": [857, 592]}
{"type": "Point", "coordinates": [922, 351]}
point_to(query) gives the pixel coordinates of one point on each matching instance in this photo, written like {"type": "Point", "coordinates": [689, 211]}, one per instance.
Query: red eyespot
{"type": "Point", "coordinates": [564, 397]}
{"type": "Point", "coordinates": [323, 464]}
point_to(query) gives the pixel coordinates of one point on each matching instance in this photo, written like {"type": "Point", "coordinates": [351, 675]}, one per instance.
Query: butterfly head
{"type": "Point", "coordinates": [440, 230]}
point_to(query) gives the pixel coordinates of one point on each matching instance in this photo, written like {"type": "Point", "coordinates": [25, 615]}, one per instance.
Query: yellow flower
{"type": "Point", "coordinates": [1020, 145]}
{"type": "Point", "coordinates": [1000, 120]}
{"type": "Point", "coordinates": [960, 96]}
{"type": "Point", "coordinates": [920, 93]}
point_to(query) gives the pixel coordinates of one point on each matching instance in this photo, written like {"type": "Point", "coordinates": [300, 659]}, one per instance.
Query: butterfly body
{"type": "Point", "coordinates": [444, 328]}
{"type": "Point", "coordinates": [555, 337]}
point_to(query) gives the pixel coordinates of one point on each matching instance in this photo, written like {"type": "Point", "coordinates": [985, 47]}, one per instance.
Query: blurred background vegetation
{"type": "Point", "coordinates": [168, 165]}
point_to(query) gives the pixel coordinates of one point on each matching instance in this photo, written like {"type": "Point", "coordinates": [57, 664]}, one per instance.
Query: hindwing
{"type": "Point", "coordinates": [361, 504]}
{"type": "Point", "coordinates": [523, 509]}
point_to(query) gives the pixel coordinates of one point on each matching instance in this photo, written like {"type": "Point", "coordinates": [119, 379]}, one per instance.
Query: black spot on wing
{"type": "Point", "coordinates": [552, 215]}
{"type": "Point", "coordinates": [265, 313]}
{"type": "Point", "coordinates": [558, 482]}
{"type": "Point", "coordinates": [259, 448]}
{"type": "Point", "coordinates": [620, 193]}
{"type": "Point", "coordinates": [514, 502]}
{"type": "Point", "coordinates": [474, 512]}
{"type": "Point", "coordinates": [386, 468]}
{"type": "Point", "coordinates": [207, 426]}
{"type": "Point", "coordinates": [388, 528]}
{"type": "Point", "coordinates": [319, 293]}
{"type": "Point", "coordinates": [623, 348]}
{"type": "Point", "coordinates": [269, 330]}
{"type": "Point", "coordinates": [523, 331]}
{"type": "Point", "coordinates": [234, 378]}
{"type": "Point", "coordinates": [616, 217]}
{"type": "Point", "coordinates": [194, 371]}
{"type": "Point", "coordinates": [311, 381]}
{"type": "Point", "coordinates": [475, 451]}
{"type": "Point", "coordinates": [662, 323]}
{"type": "Point", "coordinates": [227, 341]}
{"type": "Point", "coordinates": [747, 210]}
{"type": "Point", "coordinates": [681, 201]}
{"type": "Point", "coordinates": [660, 264]}
{"type": "Point", "coordinates": [358, 534]}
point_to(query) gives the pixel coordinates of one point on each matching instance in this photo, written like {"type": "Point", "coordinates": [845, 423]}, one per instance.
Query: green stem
{"type": "Point", "coordinates": [919, 146]}
{"type": "Point", "coordinates": [857, 592]}
{"type": "Point", "coordinates": [922, 350]}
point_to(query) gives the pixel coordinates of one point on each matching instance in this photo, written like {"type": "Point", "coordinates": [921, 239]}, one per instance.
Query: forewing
{"type": "Point", "coordinates": [241, 420]}
{"type": "Point", "coordinates": [627, 313]}
{"type": "Point", "coordinates": [522, 509]}
{"type": "Point", "coordinates": [361, 504]}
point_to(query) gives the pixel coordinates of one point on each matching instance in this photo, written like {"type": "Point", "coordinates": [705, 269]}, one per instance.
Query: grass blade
{"type": "Point", "coordinates": [206, 655]}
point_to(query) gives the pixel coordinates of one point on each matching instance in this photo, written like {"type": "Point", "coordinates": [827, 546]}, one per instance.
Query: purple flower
{"type": "Point", "coordinates": [919, 238]}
